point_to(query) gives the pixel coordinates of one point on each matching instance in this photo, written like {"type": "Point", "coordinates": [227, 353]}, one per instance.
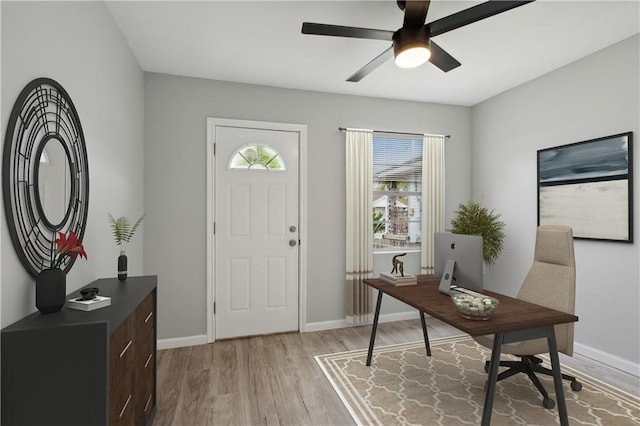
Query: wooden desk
{"type": "Point", "coordinates": [514, 320]}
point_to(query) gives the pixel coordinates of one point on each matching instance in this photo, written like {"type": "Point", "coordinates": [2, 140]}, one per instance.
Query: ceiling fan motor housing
{"type": "Point", "coordinates": [406, 38]}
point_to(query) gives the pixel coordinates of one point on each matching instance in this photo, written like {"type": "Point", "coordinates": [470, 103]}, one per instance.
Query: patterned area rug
{"type": "Point", "coordinates": [405, 387]}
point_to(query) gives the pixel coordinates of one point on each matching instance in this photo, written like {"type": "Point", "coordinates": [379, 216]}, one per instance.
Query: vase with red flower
{"type": "Point", "coordinates": [51, 283]}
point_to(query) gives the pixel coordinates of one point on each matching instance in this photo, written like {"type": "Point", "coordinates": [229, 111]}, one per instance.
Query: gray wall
{"type": "Point", "coordinates": [79, 45]}
{"type": "Point", "coordinates": [593, 97]}
{"type": "Point", "coordinates": [176, 109]}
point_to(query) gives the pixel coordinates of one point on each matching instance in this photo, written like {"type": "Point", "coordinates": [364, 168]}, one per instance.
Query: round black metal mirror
{"type": "Point", "coordinates": [45, 173]}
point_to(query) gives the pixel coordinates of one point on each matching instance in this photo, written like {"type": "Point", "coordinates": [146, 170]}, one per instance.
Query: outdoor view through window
{"type": "Point", "coordinates": [397, 192]}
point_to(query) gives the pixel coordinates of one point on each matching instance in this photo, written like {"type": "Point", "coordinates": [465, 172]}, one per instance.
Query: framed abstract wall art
{"type": "Point", "coordinates": [589, 186]}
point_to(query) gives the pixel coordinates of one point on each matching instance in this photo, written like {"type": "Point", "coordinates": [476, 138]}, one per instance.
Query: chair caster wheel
{"type": "Point", "coordinates": [576, 386]}
{"type": "Point", "coordinates": [548, 403]}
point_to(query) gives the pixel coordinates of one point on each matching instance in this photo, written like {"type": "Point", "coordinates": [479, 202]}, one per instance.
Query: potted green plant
{"type": "Point", "coordinates": [122, 234]}
{"type": "Point", "coordinates": [471, 218]}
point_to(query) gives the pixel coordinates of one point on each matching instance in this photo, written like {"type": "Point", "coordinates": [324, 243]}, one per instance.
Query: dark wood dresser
{"type": "Point", "coordinates": [84, 368]}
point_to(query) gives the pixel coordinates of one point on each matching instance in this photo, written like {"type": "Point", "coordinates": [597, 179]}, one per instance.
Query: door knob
{"type": "Point", "coordinates": [292, 228]}
{"type": "Point", "coordinates": [293, 243]}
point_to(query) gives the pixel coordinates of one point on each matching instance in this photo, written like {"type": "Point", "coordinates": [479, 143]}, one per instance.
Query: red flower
{"type": "Point", "coordinates": [67, 246]}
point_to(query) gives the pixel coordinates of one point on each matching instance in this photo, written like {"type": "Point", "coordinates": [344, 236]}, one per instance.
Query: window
{"type": "Point", "coordinates": [256, 157]}
{"type": "Point", "coordinates": [397, 192]}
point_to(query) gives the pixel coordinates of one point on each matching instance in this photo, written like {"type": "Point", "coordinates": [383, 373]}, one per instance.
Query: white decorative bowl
{"type": "Point", "coordinates": [473, 307]}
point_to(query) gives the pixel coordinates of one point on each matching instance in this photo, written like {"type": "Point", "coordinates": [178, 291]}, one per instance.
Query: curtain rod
{"type": "Point", "coordinates": [342, 129]}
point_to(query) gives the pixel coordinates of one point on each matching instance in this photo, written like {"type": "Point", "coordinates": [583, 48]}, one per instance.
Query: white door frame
{"type": "Point", "coordinates": [302, 224]}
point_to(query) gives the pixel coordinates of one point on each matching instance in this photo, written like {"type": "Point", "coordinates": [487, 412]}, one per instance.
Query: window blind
{"type": "Point", "coordinates": [397, 159]}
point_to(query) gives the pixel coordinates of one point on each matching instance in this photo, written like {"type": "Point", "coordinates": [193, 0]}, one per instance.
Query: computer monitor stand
{"type": "Point", "coordinates": [447, 277]}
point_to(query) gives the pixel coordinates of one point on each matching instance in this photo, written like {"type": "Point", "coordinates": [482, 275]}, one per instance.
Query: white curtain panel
{"type": "Point", "coordinates": [359, 239]}
{"type": "Point", "coordinates": [432, 198]}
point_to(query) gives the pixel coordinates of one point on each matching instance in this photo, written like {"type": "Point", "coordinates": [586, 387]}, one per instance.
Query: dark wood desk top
{"type": "Point", "coordinates": [510, 314]}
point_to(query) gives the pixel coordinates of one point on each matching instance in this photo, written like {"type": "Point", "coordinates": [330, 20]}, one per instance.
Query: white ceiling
{"type": "Point", "coordinates": [261, 43]}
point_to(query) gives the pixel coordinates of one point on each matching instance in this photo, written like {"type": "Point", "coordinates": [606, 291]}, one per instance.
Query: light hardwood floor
{"type": "Point", "coordinates": [275, 379]}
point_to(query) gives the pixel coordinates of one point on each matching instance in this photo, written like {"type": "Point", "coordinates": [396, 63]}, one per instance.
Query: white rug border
{"type": "Point", "coordinates": [583, 377]}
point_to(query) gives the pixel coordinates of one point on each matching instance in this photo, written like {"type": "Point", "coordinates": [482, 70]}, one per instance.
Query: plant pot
{"type": "Point", "coordinates": [122, 266]}
{"type": "Point", "coordinates": [51, 290]}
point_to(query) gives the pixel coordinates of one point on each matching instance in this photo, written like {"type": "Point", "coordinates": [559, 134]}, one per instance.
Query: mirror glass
{"type": "Point", "coordinates": [54, 181]}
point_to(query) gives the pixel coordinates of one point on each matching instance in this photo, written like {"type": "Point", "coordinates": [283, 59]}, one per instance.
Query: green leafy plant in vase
{"type": "Point", "coordinates": [471, 218]}
{"type": "Point", "coordinates": [122, 234]}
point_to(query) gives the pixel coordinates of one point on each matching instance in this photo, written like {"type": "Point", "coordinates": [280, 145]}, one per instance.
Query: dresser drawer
{"type": "Point", "coordinates": [122, 348]}
{"type": "Point", "coordinates": [122, 399]}
{"type": "Point", "coordinates": [145, 396]}
{"type": "Point", "coordinates": [145, 370]}
{"type": "Point", "coordinates": [145, 316]}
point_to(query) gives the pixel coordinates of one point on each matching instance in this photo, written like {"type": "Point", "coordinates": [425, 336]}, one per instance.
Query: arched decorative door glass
{"type": "Point", "coordinates": [256, 157]}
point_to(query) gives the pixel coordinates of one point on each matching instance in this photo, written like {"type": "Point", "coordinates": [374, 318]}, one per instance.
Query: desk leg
{"type": "Point", "coordinates": [492, 379]}
{"type": "Point", "coordinates": [557, 377]}
{"type": "Point", "coordinates": [424, 333]}
{"type": "Point", "coordinates": [374, 328]}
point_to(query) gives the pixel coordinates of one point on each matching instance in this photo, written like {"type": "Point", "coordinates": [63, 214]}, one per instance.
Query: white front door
{"type": "Point", "coordinates": [256, 231]}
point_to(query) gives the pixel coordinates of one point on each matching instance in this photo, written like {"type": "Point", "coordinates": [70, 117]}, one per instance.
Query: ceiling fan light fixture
{"type": "Point", "coordinates": [412, 57]}
{"type": "Point", "coordinates": [411, 47]}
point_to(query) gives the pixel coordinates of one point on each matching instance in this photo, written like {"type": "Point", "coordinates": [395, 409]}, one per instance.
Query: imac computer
{"type": "Point", "coordinates": [458, 262]}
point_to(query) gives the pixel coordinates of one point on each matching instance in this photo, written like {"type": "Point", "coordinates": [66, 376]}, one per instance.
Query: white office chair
{"type": "Point", "coordinates": [551, 282]}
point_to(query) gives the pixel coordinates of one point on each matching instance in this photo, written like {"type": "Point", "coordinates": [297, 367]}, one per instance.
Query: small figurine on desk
{"type": "Point", "coordinates": [398, 265]}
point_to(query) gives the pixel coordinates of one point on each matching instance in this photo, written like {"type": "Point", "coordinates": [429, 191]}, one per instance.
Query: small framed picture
{"type": "Point", "coordinates": [589, 186]}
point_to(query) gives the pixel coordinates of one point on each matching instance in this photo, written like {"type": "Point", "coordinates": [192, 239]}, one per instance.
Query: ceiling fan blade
{"type": "Point", "coordinates": [341, 31]}
{"type": "Point", "coordinates": [415, 12]}
{"type": "Point", "coordinates": [441, 59]}
{"type": "Point", "coordinates": [379, 60]}
{"type": "Point", "coordinates": [471, 15]}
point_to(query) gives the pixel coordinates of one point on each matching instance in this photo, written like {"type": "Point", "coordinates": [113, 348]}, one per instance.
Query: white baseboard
{"type": "Point", "coordinates": [331, 325]}
{"type": "Point", "coordinates": [180, 342]}
{"type": "Point", "coordinates": [608, 359]}
{"type": "Point", "coordinates": [325, 325]}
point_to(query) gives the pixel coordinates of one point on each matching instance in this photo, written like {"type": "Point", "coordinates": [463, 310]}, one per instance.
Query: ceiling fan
{"type": "Point", "coordinates": [412, 43]}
